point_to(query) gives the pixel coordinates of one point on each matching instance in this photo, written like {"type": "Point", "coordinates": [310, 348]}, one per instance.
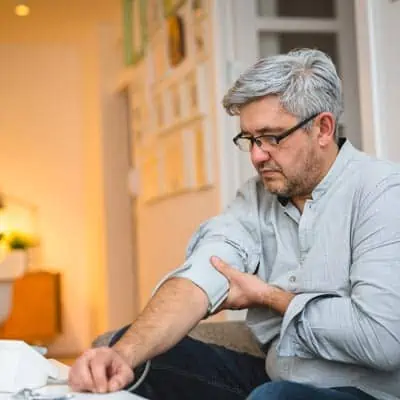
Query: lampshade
{"type": "Point", "coordinates": [17, 215]}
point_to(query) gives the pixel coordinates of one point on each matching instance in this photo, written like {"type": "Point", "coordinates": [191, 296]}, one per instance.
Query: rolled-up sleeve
{"type": "Point", "coordinates": [362, 328]}
{"type": "Point", "coordinates": [233, 236]}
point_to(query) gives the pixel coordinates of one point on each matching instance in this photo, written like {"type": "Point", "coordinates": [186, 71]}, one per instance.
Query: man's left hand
{"type": "Point", "coordinates": [246, 290]}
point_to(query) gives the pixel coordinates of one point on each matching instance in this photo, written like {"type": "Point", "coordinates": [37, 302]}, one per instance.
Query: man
{"type": "Point", "coordinates": [311, 247]}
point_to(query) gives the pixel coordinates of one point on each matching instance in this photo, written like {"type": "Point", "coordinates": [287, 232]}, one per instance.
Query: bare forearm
{"type": "Point", "coordinates": [175, 309]}
{"type": "Point", "coordinates": [276, 298]}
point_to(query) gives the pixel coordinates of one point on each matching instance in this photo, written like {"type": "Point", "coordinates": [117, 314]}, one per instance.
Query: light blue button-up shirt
{"type": "Point", "coordinates": [341, 257]}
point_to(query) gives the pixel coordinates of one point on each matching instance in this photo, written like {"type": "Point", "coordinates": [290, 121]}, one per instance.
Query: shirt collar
{"type": "Point", "coordinates": [346, 152]}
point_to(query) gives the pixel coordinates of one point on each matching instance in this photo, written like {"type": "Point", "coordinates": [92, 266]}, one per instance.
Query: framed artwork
{"type": "Point", "coordinates": [159, 56]}
{"type": "Point", "coordinates": [127, 29]}
{"type": "Point", "coordinates": [174, 163]}
{"type": "Point", "coordinates": [191, 90]}
{"type": "Point", "coordinates": [150, 175]}
{"type": "Point", "coordinates": [176, 40]}
{"type": "Point", "coordinates": [175, 98]}
{"type": "Point", "coordinates": [170, 6]}
{"type": "Point", "coordinates": [200, 36]}
{"type": "Point", "coordinates": [153, 16]}
{"type": "Point", "coordinates": [198, 7]}
{"type": "Point", "coordinates": [135, 30]}
{"type": "Point", "coordinates": [196, 155]}
{"type": "Point", "coordinates": [200, 157]}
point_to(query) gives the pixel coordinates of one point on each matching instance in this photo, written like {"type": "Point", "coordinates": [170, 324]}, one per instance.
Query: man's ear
{"type": "Point", "coordinates": [327, 125]}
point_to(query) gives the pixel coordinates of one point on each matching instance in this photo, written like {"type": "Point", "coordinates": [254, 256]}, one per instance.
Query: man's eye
{"type": "Point", "coordinates": [270, 139]}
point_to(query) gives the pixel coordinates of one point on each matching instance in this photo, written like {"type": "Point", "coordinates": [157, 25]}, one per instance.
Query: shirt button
{"type": "Point", "coordinates": [292, 279]}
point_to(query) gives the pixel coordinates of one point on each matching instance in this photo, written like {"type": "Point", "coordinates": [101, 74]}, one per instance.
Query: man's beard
{"type": "Point", "coordinates": [285, 187]}
{"type": "Point", "coordinates": [300, 184]}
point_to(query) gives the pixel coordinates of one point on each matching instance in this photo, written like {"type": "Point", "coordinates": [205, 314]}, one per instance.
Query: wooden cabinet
{"type": "Point", "coordinates": [36, 309]}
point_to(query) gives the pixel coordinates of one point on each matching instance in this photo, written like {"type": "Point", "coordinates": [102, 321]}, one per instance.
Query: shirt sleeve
{"type": "Point", "coordinates": [233, 236]}
{"type": "Point", "coordinates": [362, 328]}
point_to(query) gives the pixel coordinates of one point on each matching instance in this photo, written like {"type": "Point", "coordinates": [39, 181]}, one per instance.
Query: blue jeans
{"type": "Point", "coordinates": [285, 390]}
{"type": "Point", "coordinates": [197, 371]}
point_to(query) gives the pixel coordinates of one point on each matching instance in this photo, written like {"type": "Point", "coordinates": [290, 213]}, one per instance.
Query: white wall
{"type": "Point", "coordinates": [55, 143]}
{"type": "Point", "coordinates": [42, 158]}
{"type": "Point", "coordinates": [378, 30]}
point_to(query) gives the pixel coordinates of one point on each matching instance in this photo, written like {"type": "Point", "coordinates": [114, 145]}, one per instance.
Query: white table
{"type": "Point", "coordinates": [62, 389]}
{"type": "Point", "coordinates": [109, 396]}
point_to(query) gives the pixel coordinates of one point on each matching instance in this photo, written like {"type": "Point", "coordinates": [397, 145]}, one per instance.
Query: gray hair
{"type": "Point", "coordinates": [305, 80]}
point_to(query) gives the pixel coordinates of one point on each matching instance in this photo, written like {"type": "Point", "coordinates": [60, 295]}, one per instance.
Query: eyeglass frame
{"type": "Point", "coordinates": [275, 138]}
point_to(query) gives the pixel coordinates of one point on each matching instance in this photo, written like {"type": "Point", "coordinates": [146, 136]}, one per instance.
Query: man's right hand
{"type": "Point", "coordinates": [100, 370]}
{"type": "Point", "coordinates": [174, 310]}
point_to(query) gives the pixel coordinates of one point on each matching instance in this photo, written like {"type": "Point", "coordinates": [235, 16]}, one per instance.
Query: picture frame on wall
{"type": "Point", "coordinates": [150, 174]}
{"type": "Point", "coordinates": [199, 8]}
{"type": "Point", "coordinates": [154, 16]}
{"type": "Point", "coordinates": [200, 27]}
{"type": "Point", "coordinates": [175, 98]}
{"type": "Point", "coordinates": [175, 176]}
{"type": "Point", "coordinates": [135, 30]}
{"type": "Point", "coordinates": [200, 37]}
{"type": "Point", "coordinates": [191, 93]}
{"type": "Point", "coordinates": [197, 163]}
{"type": "Point", "coordinates": [170, 6]}
{"type": "Point", "coordinates": [127, 29]}
{"type": "Point", "coordinates": [176, 40]}
{"type": "Point", "coordinates": [159, 59]}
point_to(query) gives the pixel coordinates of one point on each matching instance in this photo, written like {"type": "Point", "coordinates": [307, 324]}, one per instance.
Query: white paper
{"type": "Point", "coordinates": [81, 396]}
{"type": "Point", "coordinates": [64, 389]}
{"type": "Point", "coordinates": [22, 367]}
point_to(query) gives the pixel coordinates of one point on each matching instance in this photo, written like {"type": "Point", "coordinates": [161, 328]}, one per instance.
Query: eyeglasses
{"type": "Point", "coordinates": [245, 142]}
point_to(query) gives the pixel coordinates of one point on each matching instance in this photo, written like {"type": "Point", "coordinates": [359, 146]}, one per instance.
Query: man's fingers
{"type": "Point", "coordinates": [225, 269]}
{"type": "Point", "coordinates": [98, 368]}
{"type": "Point", "coordinates": [80, 377]}
{"type": "Point", "coordinates": [115, 384]}
{"type": "Point", "coordinates": [217, 262]}
{"type": "Point", "coordinates": [120, 378]}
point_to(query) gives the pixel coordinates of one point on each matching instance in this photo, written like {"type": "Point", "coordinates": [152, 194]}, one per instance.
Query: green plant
{"type": "Point", "coordinates": [19, 241]}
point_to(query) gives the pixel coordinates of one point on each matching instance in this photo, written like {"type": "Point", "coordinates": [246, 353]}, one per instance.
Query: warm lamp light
{"type": "Point", "coordinates": [17, 215]}
{"type": "Point", "coordinates": [22, 9]}
{"type": "Point", "coordinates": [18, 228]}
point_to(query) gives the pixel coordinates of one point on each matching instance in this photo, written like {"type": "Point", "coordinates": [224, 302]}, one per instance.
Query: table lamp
{"type": "Point", "coordinates": [15, 215]}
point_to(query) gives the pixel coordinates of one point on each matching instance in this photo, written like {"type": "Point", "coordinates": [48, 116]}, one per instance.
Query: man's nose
{"type": "Point", "coordinates": [258, 155]}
